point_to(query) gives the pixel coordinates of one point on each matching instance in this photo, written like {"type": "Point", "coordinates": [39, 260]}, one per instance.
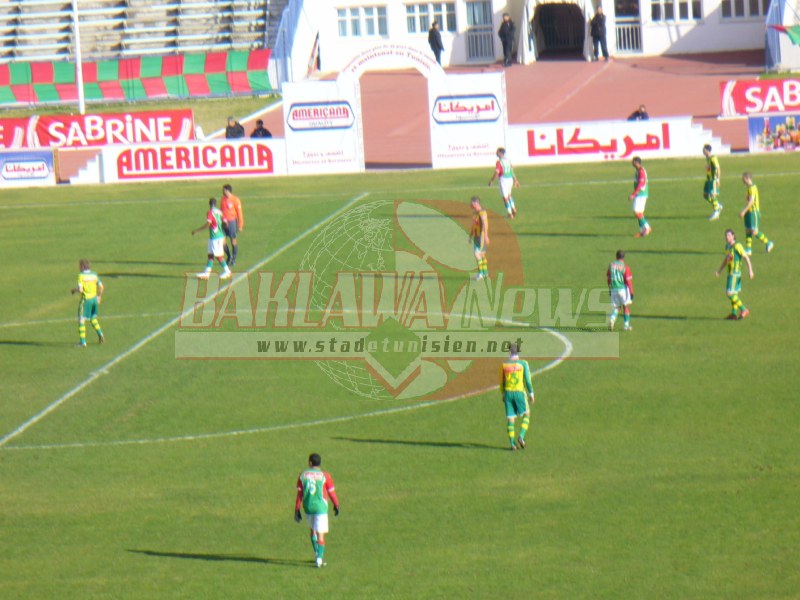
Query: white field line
{"type": "Point", "coordinates": [406, 191]}
{"type": "Point", "coordinates": [169, 324]}
{"type": "Point", "coordinates": [288, 426]}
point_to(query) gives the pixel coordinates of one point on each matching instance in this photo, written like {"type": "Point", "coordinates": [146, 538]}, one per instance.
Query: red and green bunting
{"type": "Point", "coordinates": [793, 31]}
{"type": "Point", "coordinates": [174, 76]}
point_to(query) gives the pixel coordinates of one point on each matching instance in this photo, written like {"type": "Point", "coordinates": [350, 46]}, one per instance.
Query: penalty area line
{"type": "Point", "coordinates": [568, 348]}
{"type": "Point", "coordinates": [103, 370]}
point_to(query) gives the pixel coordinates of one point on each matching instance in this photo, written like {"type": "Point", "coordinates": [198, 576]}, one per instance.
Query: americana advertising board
{"type": "Point", "coordinates": [26, 168]}
{"type": "Point", "coordinates": [191, 160]}
{"type": "Point", "coordinates": [608, 140]}
{"type": "Point", "coordinates": [323, 127]}
{"type": "Point", "coordinates": [76, 131]}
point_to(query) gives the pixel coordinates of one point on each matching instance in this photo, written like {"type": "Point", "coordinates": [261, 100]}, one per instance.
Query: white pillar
{"type": "Point", "coordinates": [78, 58]}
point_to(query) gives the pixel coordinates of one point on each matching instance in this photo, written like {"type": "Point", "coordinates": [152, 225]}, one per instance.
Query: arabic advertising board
{"type": "Point", "coordinates": [743, 98]}
{"type": "Point", "coordinates": [26, 168]}
{"type": "Point", "coordinates": [607, 140]}
{"type": "Point", "coordinates": [467, 126]}
{"type": "Point", "coordinates": [75, 131]}
{"type": "Point", "coordinates": [770, 133]}
{"type": "Point", "coordinates": [323, 127]}
{"type": "Point", "coordinates": [192, 160]}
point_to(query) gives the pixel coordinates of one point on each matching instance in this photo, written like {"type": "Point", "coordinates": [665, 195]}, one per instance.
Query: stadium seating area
{"type": "Point", "coordinates": [43, 30]}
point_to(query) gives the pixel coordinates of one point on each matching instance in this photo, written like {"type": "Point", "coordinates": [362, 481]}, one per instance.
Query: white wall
{"type": "Point", "coordinates": [711, 34]}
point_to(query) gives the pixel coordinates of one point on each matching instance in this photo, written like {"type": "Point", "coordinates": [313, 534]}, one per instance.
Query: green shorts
{"type": "Point", "coordinates": [516, 403]}
{"type": "Point", "coordinates": [476, 244]}
{"type": "Point", "coordinates": [88, 308]}
{"type": "Point", "coordinates": [710, 189]}
{"type": "Point", "coordinates": [751, 220]}
{"type": "Point", "coordinates": [734, 285]}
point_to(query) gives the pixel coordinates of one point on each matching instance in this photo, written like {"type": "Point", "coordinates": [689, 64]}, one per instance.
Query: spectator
{"type": "Point", "coordinates": [435, 41]}
{"type": "Point", "coordinates": [639, 115]}
{"type": "Point", "coordinates": [506, 35]}
{"type": "Point", "coordinates": [598, 29]}
{"type": "Point", "coordinates": [260, 131]}
{"type": "Point", "coordinates": [234, 129]}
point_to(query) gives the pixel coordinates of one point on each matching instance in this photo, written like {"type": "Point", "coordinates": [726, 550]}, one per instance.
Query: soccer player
{"type": "Point", "coordinates": [504, 173]}
{"type": "Point", "coordinates": [711, 187]}
{"type": "Point", "coordinates": [516, 388]}
{"type": "Point", "coordinates": [751, 213]}
{"type": "Point", "coordinates": [314, 487]}
{"type": "Point", "coordinates": [232, 212]}
{"type": "Point", "coordinates": [734, 253]}
{"type": "Point", "coordinates": [479, 235]}
{"type": "Point", "coordinates": [91, 290]}
{"type": "Point", "coordinates": [216, 239]}
{"type": "Point", "coordinates": [639, 197]}
{"type": "Point", "coordinates": [620, 287]}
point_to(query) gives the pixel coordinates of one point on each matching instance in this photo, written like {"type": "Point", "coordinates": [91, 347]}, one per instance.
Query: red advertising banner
{"type": "Point", "coordinates": [743, 98]}
{"type": "Point", "coordinates": [76, 131]}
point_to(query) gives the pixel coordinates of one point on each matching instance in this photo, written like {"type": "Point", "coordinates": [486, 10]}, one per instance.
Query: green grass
{"type": "Point", "coordinates": [669, 473]}
{"type": "Point", "coordinates": [209, 113]}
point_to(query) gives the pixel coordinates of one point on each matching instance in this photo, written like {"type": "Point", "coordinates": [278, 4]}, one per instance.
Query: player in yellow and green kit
{"type": "Point", "coordinates": [91, 289]}
{"type": "Point", "coordinates": [751, 213]}
{"type": "Point", "coordinates": [516, 388]}
{"type": "Point", "coordinates": [734, 253]}
{"type": "Point", "coordinates": [711, 188]}
{"type": "Point", "coordinates": [479, 235]}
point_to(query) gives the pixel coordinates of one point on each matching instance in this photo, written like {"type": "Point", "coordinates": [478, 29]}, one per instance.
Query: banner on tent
{"type": "Point", "coordinates": [468, 119]}
{"type": "Point", "coordinates": [743, 98]}
{"type": "Point", "coordinates": [323, 128]}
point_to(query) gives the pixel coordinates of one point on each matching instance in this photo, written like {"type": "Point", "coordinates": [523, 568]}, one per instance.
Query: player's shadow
{"type": "Point", "coordinates": [464, 445]}
{"type": "Point", "coordinates": [580, 234]}
{"type": "Point", "coordinates": [212, 557]}
{"type": "Point", "coordinates": [148, 262]}
{"type": "Point", "coordinates": [114, 275]}
{"type": "Point", "coordinates": [691, 252]}
{"type": "Point", "coordinates": [656, 218]}
{"type": "Point", "coordinates": [676, 318]}
{"type": "Point", "coordinates": [33, 343]}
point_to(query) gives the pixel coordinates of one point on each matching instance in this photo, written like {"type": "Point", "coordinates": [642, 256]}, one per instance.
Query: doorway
{"type": "Point", "coordinates": [397, 130]}
{"type": "Point", "coordinates": [561, 29]}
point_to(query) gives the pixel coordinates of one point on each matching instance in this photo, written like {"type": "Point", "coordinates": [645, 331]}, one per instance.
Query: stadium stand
{"type": "Point", "coordinates": [42, 30]}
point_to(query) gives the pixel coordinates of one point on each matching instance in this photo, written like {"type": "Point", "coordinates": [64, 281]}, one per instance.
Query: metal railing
{"type": "Point", "coordinates": [629, 35]}
{"type": "Point", "coordinates": [480, 42]}
{"type": "Point", "coordinates": [284, 40]}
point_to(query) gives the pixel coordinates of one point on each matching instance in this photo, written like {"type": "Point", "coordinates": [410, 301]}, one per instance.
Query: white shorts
{"type": "Point", "coordinates": [639, 203]}
{"type": "Point", "coordinates": [620, 298]}
{"type": "Point", "coordinates": [215, 247]}
{"type": "Point", "coordinates": [506, 186]}
{"type": "Point", "coordinates": [318, 522]}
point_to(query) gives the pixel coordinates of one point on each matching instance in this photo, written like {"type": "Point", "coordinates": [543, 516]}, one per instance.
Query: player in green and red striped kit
{"type": "Point", "coordinates": [620, 288]}
{"type": "Point", "coordinates": [314, 487]}
{"type": "Point", "coordinates": [639, 197]}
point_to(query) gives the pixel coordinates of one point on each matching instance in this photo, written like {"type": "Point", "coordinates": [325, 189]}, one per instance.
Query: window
{"type": "Point", "coordinates": [420, 16]}
{"type": "Point", "coordinates": [675, 10]}
{"type": "Point", "coordinates": [744, 9]}
{"type": "Point", "coordinates": [365, 21]}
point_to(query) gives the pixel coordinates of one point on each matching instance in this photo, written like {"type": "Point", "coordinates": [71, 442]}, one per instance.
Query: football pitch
{"type": "Point", "coordinates": [670, 472]}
